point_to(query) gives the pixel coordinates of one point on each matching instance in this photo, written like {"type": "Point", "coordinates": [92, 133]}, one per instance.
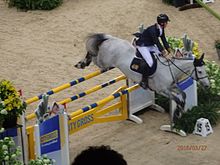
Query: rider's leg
{"type": "Point", "coordinates": [146, 55]}
{"type": "Point", "coordinates": [154, 49]}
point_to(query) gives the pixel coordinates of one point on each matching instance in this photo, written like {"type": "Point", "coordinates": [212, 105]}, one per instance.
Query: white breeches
{"type": "Point", "coordinates": [145, 52]}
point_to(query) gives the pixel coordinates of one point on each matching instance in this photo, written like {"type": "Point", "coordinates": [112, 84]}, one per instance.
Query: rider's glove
{"type": "Point", "coordinates": [164, 53]}
{"type": "Point", "coordinates": [169, 50]}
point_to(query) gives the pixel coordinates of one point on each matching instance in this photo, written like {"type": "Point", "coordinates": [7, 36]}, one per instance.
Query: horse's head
{"type": "Point", "coordinates": [200, 73]}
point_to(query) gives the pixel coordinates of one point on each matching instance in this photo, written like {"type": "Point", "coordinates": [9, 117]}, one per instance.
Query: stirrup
{"type": "Point", "coordinates": [144, 83]}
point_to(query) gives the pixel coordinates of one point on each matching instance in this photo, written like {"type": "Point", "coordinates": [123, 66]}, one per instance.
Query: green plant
{"type": "Point", "coordinates": [34, 4]}
{"type": "Point", "coordinates": [185, 43]}
{"type": "Point", "coordinates": [213, 93]}
{"type": "Point", "coordinates": [162, 101]}
{"type": "Point", "coordinates": [208, 102]}
{"type": "Point", "coordinates": [188, 120]}
{"type": "Point", "coordinates": [44, 160]}
{"type": "Point", "coordinates": [175, 42]}
{"type": "Point", "coordinates": [217, 44]}
{"type": "Point", "coordinates": [11, 104]}
{"type": "Point", "coordinates": [9, 154]}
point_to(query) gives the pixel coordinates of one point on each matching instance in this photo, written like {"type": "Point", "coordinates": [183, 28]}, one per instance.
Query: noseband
{"type": "Point", "coordinates": [196, 74]}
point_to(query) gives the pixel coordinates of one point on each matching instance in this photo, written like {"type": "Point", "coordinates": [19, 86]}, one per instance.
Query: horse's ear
{"type": "Point", "coordinates": [202, 56]}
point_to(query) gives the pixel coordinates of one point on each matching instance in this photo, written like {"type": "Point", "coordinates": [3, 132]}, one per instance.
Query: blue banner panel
{"type": "Point", "coordinates": [50, 135]}
{"type": "Point", "coordinates": [185, 83]}
{"type": "Point", "coordinates": [11, 132]}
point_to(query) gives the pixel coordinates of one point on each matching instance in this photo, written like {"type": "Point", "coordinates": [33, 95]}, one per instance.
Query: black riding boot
{"type": "Point", "coordinates": [144, 82]}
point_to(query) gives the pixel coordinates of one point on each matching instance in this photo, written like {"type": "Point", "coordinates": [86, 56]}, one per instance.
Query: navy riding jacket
{"type": "Point", "coordinates": [150, 37]}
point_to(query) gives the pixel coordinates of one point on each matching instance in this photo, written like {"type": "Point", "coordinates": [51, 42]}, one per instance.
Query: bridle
{"type": "Point", "coordinates": [196, 74]}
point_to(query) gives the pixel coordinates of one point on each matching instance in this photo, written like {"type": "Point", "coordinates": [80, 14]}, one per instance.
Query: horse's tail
{"type": "Point", "coordinates": [94, 41]}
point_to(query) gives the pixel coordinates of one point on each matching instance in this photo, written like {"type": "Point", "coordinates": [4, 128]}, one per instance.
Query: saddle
{"type": "Point", "coordinates": [139, 65]}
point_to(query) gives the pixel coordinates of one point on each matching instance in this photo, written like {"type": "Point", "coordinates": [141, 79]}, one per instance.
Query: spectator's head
{"type": "Point", "coordinates": [99, 155]}
{"type": "Point", "coordinates": [162, 20]}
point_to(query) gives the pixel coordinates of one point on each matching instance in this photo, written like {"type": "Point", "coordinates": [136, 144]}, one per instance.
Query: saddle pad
{"type": "Point", "coordinates": [139, 65]}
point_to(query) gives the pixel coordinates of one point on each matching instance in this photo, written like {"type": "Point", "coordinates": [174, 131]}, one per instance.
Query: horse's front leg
{"type": "Point", "coordinates": [180, 99]}
{"type": "Point", "coordinates": [85, 62]}
{"type": "Point", "coordinates": [178, 96]}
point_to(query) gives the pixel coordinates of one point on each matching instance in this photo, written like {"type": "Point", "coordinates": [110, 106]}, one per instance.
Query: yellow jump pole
{"type": "Point", "coordinates": [104, 101]}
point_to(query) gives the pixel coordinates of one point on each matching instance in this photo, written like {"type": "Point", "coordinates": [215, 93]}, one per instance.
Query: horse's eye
{"type": "Point", "coordinates": [200, 72]}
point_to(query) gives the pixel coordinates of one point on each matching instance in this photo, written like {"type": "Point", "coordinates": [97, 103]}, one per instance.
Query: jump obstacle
{"type": "Point", "coordinates": [91, 114]}
{"type": "Point", "coordinates": [52, 139]}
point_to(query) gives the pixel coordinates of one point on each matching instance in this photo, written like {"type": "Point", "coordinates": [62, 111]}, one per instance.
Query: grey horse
{"type": "Point", "coordinates": [107, 51]}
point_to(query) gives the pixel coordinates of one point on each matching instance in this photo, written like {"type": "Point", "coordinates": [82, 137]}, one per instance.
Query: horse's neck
{"type": "Point", "coordinates": [182, 69]}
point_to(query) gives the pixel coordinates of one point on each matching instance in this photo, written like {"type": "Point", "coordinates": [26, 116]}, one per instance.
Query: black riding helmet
{"type": "Point", "coordinates": [162, 18]}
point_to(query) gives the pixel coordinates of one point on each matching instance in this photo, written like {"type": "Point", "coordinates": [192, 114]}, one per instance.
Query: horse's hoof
{"type": "Point", "coordinates": [80, 65]}
{"type": "Point", "coordinates": [76, 66]}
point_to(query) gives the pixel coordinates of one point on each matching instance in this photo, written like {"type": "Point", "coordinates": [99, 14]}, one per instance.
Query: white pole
{"type": "Point", "coordinates": [65, 147]}
{"type": "Point", "coordinates": [37, 140]}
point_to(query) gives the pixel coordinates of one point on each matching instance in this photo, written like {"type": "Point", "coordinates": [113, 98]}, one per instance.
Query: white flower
{"type": "Point", "coordinates": [40, 161]}
{"type": "Point", "coordinates": [5, 153]}
{"type": "Point", "coordinates": [212, 81]}
{"type": "Point", "coordinates": [2, 102]}
{"type": "Point", "coordinates": [4, 147]}
{"type": "Point", "coordinates": [6, 158]}
{"type": "Point", "coordinates": [2, 130]}
{"type": "Point", "coordinates": [6, 138]}
{"type": "Point", "coordinates": [18, 152]}
{"type": "Point", "coordinates": [3, 112]}
{"type": "Point", "coordinates": [46, 161]}
{"type": "Point", "coordinates": [11, 143]}
{"type": "Point", "coordinates": [13, 156]}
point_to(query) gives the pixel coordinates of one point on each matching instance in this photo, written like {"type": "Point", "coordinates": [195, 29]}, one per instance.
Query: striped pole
{"type": "Point", "coordinates": [104, 101]}
{"type": "Point", "coordinates": [93, 89]}
{"type": "Point", "coordinates": [67, 85]}
{"type": "Point", "coordinates": [82, 94]}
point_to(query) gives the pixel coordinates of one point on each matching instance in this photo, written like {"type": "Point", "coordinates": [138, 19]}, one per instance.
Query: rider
{"type": "Point", "coordinates": [149, 40]}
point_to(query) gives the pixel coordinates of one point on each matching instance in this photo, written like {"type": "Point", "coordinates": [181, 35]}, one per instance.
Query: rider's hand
{"type": "Point", "coordinates": [164, 53]}
{"type": "Point", "coordinates": [169, 50]}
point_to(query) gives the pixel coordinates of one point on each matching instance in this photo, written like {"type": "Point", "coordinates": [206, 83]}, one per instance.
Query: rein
{"type": "Point", "coordinates": [168, 61]}
{"type": "Point", "coordinates": [189, 75]}
{"type": "Point", "coordinates": [194, 70]}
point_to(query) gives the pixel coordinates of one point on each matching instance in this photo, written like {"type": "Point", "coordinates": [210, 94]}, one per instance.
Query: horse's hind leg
{"type": "Point", "coordinates": [85, 62]}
